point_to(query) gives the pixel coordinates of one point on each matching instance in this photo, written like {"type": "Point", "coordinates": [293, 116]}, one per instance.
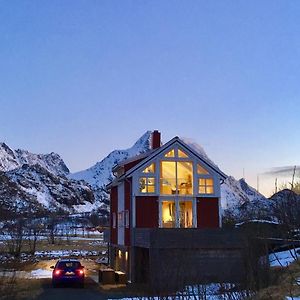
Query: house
{"type": "Point", "coordinates": [165, 206]}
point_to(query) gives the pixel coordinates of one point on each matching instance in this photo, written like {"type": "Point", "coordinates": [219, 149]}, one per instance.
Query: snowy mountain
{"type": "Point", "coordinates": [242, 202]}
{"type": "Point", "coordinates": [38, 182]}
{"type": "Point", "coordinates": [44, 179]}
{"type": "Point", "coordinates": [101, 173]}
{"type": "Point", "coordinates": [234, 193]}
{"type": "Point", "coordinates": [12, 159]}
{"type": "Point", "coordinates": [33, 188]}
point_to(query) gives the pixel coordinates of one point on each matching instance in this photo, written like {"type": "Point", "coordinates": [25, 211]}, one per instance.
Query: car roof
{"type": "Point", "coordinates": [69, 260]}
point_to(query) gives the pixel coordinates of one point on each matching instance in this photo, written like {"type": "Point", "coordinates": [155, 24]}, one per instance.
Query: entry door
{"type": "Point", "coordinates": [185, 214]}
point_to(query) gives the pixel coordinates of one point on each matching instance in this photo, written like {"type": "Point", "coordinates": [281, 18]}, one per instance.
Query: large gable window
{"type": "Point", "coordinates": [176, 177]}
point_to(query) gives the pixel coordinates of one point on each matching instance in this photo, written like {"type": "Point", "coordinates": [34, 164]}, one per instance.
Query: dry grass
{"type": "Point", "coordinates": [12, 288]}
{"type": "Point", "coordinates": [285, 285]}
{"type": "Point", "coordinates": [61, 244]}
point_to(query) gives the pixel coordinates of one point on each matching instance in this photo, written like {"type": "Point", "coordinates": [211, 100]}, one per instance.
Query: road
{"type": "Point", "coordinates": [89, 292]}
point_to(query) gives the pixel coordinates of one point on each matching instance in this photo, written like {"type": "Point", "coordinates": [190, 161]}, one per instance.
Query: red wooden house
{"type": "Point", "coordinates": [159, 202]}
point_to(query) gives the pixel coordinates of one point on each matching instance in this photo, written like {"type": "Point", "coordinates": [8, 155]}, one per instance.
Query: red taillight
{"type": "Point", "coordinates": [81, 272]}
{"type": "Point", "coordinates": [57, 272]}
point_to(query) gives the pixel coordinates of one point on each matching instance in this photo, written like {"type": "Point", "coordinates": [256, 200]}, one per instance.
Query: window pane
{"type": "Point", "coordinates": [151, 189]}
{"type": "Point", "coordinates": [202, 181]}
{"type": "Point", "coordinates": [185, 177]}
{"type": "Point", "coordinates": [209, 181]}
{"type": "Point", "coordinates": [150, 169]}
{"type": "Point", "coordinates": [185, 214]}
{"type": "Point", "coordinates": [150, 181]}
{"type": "Point", "coordinates": [168, 214]}
{"type": "Point", "coordinates": [201, 170]}
{"type": "Point", "coordinates": [168, 178]}
{"type": "Point", "coordinates": [181, 153]}
{"type": "Point", "coordinates": [170, 153]}
{"type": "Point", "coordinates": [209, 190]}
{"type": "Point", "coordinates": [201, 189]}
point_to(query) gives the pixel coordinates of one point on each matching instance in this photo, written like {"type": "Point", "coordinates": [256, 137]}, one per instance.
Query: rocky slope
{"type": "Point", "coordinates": [44, 180]}
{"type": "Point", "coordinates": [33, 188]}
{"type": "Point", "coordinates": [12, 159]}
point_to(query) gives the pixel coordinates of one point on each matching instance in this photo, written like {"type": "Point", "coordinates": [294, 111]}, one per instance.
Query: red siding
{"type": "Point", "coordinates": [114, 209]}
{"type": "Point", "coordinates": [127, 207]}
{"type": "Point", "coordinates": [208, 212]}
{"type": "Point", "coordinates": [146, 211]}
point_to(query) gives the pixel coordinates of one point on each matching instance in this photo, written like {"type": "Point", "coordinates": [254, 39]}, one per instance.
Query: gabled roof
{"type": "Point", "coordinates": [157, 151]}
{"type": "Point", "coordinates": [152, 153]}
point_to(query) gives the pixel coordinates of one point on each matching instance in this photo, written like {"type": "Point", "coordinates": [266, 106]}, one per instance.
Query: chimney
{"type": "Point", "coordinates": [155, 139]}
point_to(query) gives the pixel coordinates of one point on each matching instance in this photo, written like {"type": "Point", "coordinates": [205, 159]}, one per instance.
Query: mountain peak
{"type": "Point", "coordinates": [101, 173]}
{"type": "Point", "coordinates": [12, 159]}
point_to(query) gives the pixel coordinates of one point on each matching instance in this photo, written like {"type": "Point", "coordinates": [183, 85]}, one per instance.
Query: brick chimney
{"type": "Point", "coordinates": [155, 139]}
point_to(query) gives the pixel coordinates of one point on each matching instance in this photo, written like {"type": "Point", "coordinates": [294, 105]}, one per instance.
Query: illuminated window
{"type": "Point", "coordinates": [206, 186]}
{"type": "Point", "coordinates": [150, 169]}
{"type": "Point", "coordinates": [170, 153]}
{"type": "Point", "coordinates": [168, 214]}
{"type": "Point", "coordinates": [147, 185]}
{"type": "Point", "coordinates": [182, 154]}
{"type": "Point", "coordinates": [176, 178]}
{"type": "Point", "coordinates": [201, 170]}
{"type": "Point", "coordinates": [168, 177]}
{"type": "Point", "coordinates": [185, 177]}
{"type": "Point", "coordinates": [185, 214]}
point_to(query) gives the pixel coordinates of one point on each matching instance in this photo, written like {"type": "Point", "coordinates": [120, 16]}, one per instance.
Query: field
{"type": "Point", "coordinates": [29, 276]}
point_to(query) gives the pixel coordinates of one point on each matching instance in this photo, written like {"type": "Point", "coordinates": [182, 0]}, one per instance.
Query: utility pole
{"type": "Point", "coordinates": [276, 186]}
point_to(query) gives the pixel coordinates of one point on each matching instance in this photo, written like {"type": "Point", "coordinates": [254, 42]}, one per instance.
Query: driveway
{"type": "Point", "coordinates": [89, 292]}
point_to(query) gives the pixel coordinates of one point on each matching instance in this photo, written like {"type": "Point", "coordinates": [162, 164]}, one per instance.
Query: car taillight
{"type": "Point", "coordinates": [81, 272]}
{"type": "Point", "coordinates": [57, 272]}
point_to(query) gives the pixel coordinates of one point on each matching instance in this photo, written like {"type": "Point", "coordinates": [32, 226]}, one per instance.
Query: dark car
{"type": "Point", "coordinates": [68, 271]}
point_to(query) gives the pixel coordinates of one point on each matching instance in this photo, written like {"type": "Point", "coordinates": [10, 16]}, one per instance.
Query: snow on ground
{"type": "Point", "coordinates": [34, 274]}
{"type": "Point", "coordinates": [41, 273]}
{"type": "Point", "coordinates": [65, 253]}
{"type": "Point", "coordinates": [284, 258]}
{"type": "Point", "coordinates": [293, 298]}
{"type": "Point", "coordinates": [213, 291]}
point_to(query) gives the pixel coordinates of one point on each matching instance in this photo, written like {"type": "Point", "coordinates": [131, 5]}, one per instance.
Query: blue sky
{"type": "Point", "coordinates": [82, 78]}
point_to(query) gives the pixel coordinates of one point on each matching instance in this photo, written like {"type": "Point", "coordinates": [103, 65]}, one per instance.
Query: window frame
{"type": "Point", "coordinates": [157, 180]}
{"type": "Point", "coordinates": [147, 184]}
{"type": "Point", "coordinates": [207, 177]}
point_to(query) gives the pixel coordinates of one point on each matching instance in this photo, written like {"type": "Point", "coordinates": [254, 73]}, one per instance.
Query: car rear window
{"type": "Point", "coordinates": [68, 264]}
